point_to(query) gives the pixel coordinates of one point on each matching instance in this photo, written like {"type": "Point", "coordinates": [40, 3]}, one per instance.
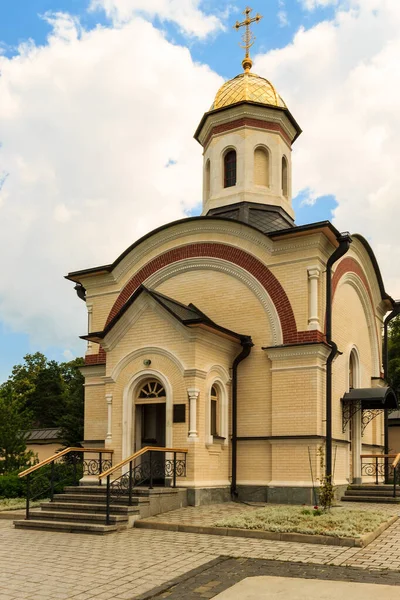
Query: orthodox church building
{"type": "Point", "coordinates": [251, 342]}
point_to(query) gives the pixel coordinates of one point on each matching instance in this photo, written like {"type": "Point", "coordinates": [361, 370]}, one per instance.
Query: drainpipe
{"type": "Point", "coordinates": [392, 315]}
{"type": "Point", "coordinates": [247, 345]}
{"type": "Point", "coordinates": [80, 290]}
{"type": "Point", "coordinates": [344, 240]}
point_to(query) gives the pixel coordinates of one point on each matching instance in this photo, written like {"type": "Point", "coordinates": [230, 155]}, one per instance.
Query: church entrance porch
{"type": "Point", "coordinates": [150, 430]}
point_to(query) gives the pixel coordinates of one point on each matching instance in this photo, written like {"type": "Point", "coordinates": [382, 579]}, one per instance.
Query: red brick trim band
{"type": "Point", "coordinates": [349, 265]}
{"type": "Point", "coordinates": [231, 254]}
{"type": "Point", "coordinates": [248, 122]}
{"type": "Point", "coordinates": [224, 252]}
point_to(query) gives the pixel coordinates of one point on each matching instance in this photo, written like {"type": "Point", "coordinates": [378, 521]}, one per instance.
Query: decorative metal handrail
{"type": "Point", "coordinates": [379, 467]}
{"type": "Point", "coordinates": [139, 453]}
{"type": "Point", "coordinates": [154, 465]}
{"type": "Point", "coordinates": [63, 468]}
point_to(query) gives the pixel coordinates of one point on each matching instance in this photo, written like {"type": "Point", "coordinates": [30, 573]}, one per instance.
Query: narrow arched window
{"type": "Point", "coordinates": [352, 369]}
{"type": "Point", "coordinates": [230, 168]}
{"type": "Point", "coordinates": [214, 412]}
{"type": "Point", "coordinates": [261, 167]}
{"type": "Point", "coordinates": [207, 179]}
{"type": "Point", "coordinates": [284, 176]}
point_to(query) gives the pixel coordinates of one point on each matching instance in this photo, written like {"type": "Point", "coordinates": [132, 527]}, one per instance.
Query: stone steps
{"type": "Point", "coordinates": [82, 509]}
{"type": "Point", "coordinates": [90, 508]}
{"type": "Point", "coordinates": [374, 499]}
{"type": "Point", "coordinates": [56, 515]}
{"type": "Point", "coordinates": [381, 494]}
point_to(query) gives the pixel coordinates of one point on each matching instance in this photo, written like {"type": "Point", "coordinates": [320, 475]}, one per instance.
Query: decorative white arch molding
{"type": "Point", "coordinates": [128, 408]}
{"type": "Point", "coordinates": [223, 266]}
{"type": "Point", "coordinates": [220, 371]}
{"type": "Point", "coordinates": [356, 432]}
{"type": "Point", "coordinates": [144, 350]}
{"type": "Point", "coordinates": [352, 279]}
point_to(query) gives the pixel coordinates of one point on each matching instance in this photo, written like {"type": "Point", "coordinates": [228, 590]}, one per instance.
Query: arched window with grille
{"type": "Point", "coordinates": [261, 166]}
{"type": "Point", "coordinates": [152, 389]}
{"type": "Point", "coordinates": [230, 168]}
{"type": "Point", "coordinates": [285, 182]}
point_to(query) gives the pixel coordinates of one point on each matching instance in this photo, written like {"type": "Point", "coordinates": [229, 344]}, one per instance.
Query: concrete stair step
{"type": "Point", "coordinates": [375, 499]}
{"type": "Point", "coordinates": [372, 487]}
{"type": "Point", "coordinates": [75, 516]}
{"type": "Point", "coordinates": [93, 528]}
{"type": "Point", "coordinates": [382, 494]}
{"type": "Point", "coordinates": [89, 507]}
{"type": "Point", "coordinates": [91, 498]}
{"type": "Point", "coordinates": [85, 489]}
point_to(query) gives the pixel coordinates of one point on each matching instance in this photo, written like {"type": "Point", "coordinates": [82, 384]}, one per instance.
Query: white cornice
{"type": "Point", "coordinates": [306, 350]}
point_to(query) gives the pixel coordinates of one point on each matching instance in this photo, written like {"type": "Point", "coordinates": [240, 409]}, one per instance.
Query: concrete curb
{"type": "Point", "coordinates": [12, 514]}
{"type": "Point", "coordinates": [302, 538]}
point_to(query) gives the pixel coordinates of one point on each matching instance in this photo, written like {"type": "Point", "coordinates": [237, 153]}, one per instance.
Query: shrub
{"type": "Point", "coordinates": [11, 486]}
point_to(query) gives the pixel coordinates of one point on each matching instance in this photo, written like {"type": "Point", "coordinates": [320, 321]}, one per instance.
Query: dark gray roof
{"type": "Point", "coordinates": [373, 398]}
{"type": "Point", "coordinates": [33, 435]}
{"type": "Point", "coordinates": [265, 217]}
{"type": "Point", "coordinates": [188, 315]}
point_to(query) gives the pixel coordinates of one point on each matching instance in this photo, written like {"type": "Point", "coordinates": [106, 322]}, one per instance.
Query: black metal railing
{"type": "Point", "coordinates": [148, 467]}
{"type": "Point", "coordinates": [382, 468]}
{"type": "Point", "coordinates": [67, 467]}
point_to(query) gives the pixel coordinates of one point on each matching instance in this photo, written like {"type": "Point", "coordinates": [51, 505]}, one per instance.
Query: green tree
{"type": "Point", "coordinates": [71, 420]}
{"type": "Point", "coordinates": [39, 384]}
{"type": "Point", "coordinates": [15, 419]}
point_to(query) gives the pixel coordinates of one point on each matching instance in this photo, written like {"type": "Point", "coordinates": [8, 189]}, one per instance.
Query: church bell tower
{"type": "Point", "coordinates": [247, 137]}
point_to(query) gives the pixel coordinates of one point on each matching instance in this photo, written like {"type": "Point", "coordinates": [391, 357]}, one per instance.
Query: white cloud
{"type": "Point", "coordinates": [89, 123]}
{"type": "Point", "coordinates": [185, 13]}
{"type": "Point", "coordinates": [341, 81]}
{"type": "Point", "coordinates": [313, 4]}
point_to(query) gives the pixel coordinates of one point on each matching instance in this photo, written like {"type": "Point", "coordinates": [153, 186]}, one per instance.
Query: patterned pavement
{"type": "Point", "coordinates": [40, 565]}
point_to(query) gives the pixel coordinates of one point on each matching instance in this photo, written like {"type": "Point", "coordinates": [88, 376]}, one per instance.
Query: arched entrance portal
{"type": "Point", "coordinates": [150, 415]}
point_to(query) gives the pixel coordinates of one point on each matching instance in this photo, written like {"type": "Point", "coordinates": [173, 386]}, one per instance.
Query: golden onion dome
{"type": "Point", "coordinates": [247, 87]}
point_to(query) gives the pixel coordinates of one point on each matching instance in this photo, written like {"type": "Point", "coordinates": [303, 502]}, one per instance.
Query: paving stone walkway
{"type": "Point", "coordinates": [40, 565]}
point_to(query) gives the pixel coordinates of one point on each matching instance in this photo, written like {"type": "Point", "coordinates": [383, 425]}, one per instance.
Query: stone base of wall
{"type": "Point", "coordinates": [201, 496]}
{"type": "Point", "coordinates": [254, 493]}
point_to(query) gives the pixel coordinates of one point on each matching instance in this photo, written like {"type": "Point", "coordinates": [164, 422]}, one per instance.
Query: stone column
{"type": "Point", "coordinates": [193, 395]}
{"type": "Point", "coordinates": [108, 440]}
{"type": "Point", "coordinates": [313, 318]}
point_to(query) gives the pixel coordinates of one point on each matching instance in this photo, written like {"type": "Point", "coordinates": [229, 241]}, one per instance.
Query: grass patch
{"type": "Point", "coordinates": [294, 519]}
{"type": "Point", "coordinates": [16, 503]}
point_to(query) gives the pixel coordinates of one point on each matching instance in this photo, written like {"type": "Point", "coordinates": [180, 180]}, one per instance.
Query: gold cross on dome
{"type": "Point", "coordinates": [248, 36]}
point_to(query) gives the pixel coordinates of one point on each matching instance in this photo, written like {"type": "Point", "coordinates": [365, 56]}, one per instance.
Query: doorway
{"type": "Point", "coordinates": [152, 419]}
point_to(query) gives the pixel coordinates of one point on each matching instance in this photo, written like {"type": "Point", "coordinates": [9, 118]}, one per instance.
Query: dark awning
{"type": "Point", "coordinates": [373, 398]}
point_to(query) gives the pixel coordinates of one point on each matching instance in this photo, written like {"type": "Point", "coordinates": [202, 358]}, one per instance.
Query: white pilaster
{"type": "Point", "coordinates": [313, 318]}
{"type": "Point", "coordinates": [90, 315]}
{"type": "Point", "coordinates": [108, 440]}
{"type": "Point", "coordinates": [193, 395]}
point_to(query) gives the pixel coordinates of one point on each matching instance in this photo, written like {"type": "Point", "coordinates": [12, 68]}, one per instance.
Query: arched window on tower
{"type": "Point", "coordinates": [284, 176]}
{"type": "Point", "coordinates": [207, 179]}
{"type": "Point", "coordinates": [261, 167]}
{"type": "Point", "coordinates": [230, 168]}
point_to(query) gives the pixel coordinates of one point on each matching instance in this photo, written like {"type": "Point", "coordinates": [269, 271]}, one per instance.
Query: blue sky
{"type": "Point", "coordinates": [21, 20]}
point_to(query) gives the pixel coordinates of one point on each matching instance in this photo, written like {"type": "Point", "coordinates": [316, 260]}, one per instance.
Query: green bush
{"type": "Point", "coordinates": [11, 486]}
